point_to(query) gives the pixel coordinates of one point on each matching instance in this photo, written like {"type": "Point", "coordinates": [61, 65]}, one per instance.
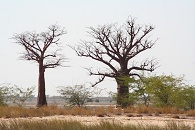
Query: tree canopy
{"type": "Point", "coordinates": [117, 47]}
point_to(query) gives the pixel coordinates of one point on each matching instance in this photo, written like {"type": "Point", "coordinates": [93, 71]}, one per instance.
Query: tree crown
{"type": "Point", "coordinates": [42, 47]}
{"type": "Point", "coordinates": [116, 47]}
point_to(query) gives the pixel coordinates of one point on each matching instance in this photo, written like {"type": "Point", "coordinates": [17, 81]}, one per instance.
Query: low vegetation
{"type": "Point", "coordinates": [18, 123]}
{"type": "Point", "coordinates": [13, 112]}
{"type": "Point", "coordinates": [12, 94]}
{"type": "Point", "coordinates": [158, 91]}
{"type": "Point", "coordinates": [78, 95]}
{"type": "Point", "coordinates": [74, 125]}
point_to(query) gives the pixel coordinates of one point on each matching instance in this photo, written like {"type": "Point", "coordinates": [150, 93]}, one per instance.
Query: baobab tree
{"type": "Point", "coordinates": [42, 48]}
{"type": "Point", "coordinates": [116, 47]}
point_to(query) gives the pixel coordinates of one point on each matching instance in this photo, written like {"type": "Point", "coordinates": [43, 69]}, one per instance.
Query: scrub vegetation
{"type": "Point", "coordinates": [14, 112]}
{"type": "Point", "coordinates": [74, 125]}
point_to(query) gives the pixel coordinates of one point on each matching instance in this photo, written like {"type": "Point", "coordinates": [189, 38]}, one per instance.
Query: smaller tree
{"type": "Point", "coordinates": [77, 95]}
{"type": "Point", "coordinates": [189, 97]}
{"type": "Point", "coordinates": [20, 95]}
{"type": "Point", "coordinates": [139, 87]}
{"type": "Point", "coordinates": [3, 92]}
{"type": "Point", "coordinates": [13, 94]}
{"type": "Point", "coordinates": [163, 89]}
{"type": "Point", "coordinates": [185, 97]}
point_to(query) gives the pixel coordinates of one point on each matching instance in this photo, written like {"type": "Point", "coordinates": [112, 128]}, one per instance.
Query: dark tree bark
{"type": "Point", "coordinates": [114, 46]}
{"type": "Point", "coordinates": [42, 48]}
{"type": "Point", "coordinates": [41, 98]}
{"type": "Point", "coordinates": [122, 95]}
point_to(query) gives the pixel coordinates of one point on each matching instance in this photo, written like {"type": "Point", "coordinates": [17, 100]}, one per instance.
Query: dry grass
{"type": "Point", "coordinates": [178, 126]}
{"type": "Point", "coordinates": [100, 112]}
{"type": "Point", "coordinates": [130, 109]}
{"type": "Point", "coordinates": [190, 113]}
{"type": "Point", "coordinates": [152, 110]}
{"type": "Point", "coordinates": [74, 125]}
{"type": "Point", "coordinates": [169, 110]}
{"type": "Point", "coordinates": [11, 112]}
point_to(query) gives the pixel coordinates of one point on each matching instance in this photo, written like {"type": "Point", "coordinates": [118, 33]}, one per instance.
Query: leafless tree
{"type": "Point", "coordinates": [116, 47]}
{"type": "Point", "coordinates": [42, 48]}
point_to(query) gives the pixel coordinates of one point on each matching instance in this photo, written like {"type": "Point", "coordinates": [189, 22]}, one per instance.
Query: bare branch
{"type": "Point", "coordinates": [99, 81]}
{"type": "Point", "coordinates": [113, 45]}
{"type": "Point", "coordinates": [54, 63]}
{"type": "Point", "coordinates": [93, 52]}
{"type": "Point", "coordinates": [110, 74]}
{"type": "Point", "coordinates": [145, 66]}
{"type": "Point", "coordinates": [36, 46]}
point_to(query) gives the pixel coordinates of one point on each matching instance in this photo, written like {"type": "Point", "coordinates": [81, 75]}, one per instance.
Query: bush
{"type": "Point", "coordinates": [77, 95]}
{"type": "Point", "coordinates": [14, 94]}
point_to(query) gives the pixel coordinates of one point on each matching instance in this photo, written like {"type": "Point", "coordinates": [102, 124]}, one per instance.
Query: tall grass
{"type": "Point", "coordinates": [54, 124]}
{"type": "Point", "coordinates": [12, 112]}
{"type": "Point", "coordinates": [190, 113]}
{"type": "Point", "coordinates": [74, 125]}
{"type": "Point", "coordinates": [153, 110]}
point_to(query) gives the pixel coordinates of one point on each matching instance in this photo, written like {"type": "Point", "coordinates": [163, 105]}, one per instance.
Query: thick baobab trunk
{"type": "Point", "coordinates": [41, 98]}
{"type": "Point", "coordinates": [122, 92]}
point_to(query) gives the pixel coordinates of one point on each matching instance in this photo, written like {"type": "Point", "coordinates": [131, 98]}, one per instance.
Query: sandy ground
{"type": "Point", "coordinates": [144, 120]}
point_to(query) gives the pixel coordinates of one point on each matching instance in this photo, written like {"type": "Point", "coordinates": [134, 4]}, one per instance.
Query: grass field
{"type": "Point", "coordinates": [74, 125]}
{"type": "Point", "coordinates": [104, 118]}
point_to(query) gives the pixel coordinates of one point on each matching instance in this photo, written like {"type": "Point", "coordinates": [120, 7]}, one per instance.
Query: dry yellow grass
{"type": "Point", "coordinates": [8, 112]}
{"type": "Point", "coordinates": [90, 115]}
{"type": "Point", "coordinates": [153, 110]}
{"type": "Point", "coordinates": [190, 113]}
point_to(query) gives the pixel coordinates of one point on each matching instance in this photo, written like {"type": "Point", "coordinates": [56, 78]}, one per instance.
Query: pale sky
{"type": "Point", "coordinates": [174, 27]}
